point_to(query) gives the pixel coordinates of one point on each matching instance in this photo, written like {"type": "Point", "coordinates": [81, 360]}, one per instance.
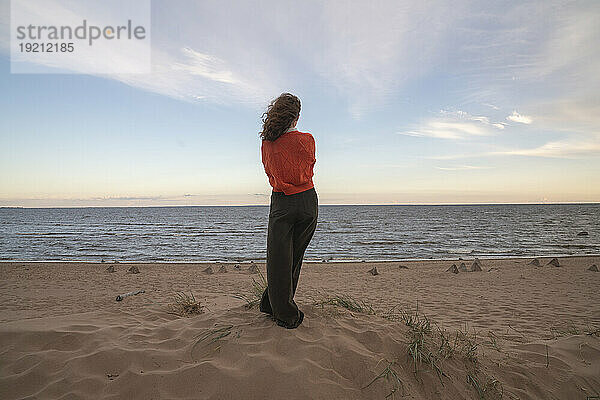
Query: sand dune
{"type": "Point", "coordinates": [63, 335]}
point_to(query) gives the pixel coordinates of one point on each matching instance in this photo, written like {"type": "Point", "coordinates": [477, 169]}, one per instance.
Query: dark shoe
{"type": "Point", "coordinates": [295, 325]}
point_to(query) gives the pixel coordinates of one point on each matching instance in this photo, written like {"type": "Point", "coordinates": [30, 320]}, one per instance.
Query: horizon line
{"type": "Point", "coordinates": [328, 204]}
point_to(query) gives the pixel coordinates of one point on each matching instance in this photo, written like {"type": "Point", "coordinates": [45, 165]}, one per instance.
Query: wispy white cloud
{"type": "Point", "coordinates": [466, 116]}
{"type": "Point", "coordinates": [367, 55]}
{"type": "Point", "coordinates": [567, 148]}
{"type": "Point", "coordinates": [183, 69]}
{"type": "Point", "coordinates": [458, 156]}
{"type": "Point", "coordinates": [370, 53]}
{"type": "Point", "coordinates": [522, 119]}
{"type": "Point", "coordinates": [577, 146]}
{"type": "Point", "coordinates": [540, 50]}
{"type": "Point", "coordinates": [447, 130]}
{"type": "Point", "coordinates": [570, 50]}
{"type": "Point", "coordinates": [462, 168]}
{"type": "Point", "coordinates": [491, 106]}
{"type": "Point", "coordinates": [454, 125]}
{"type": "Point", "coordinates": [576, 122]}
{"type": "Point", "coordinates": [206, 66]}
{"type": "Point", "coordinates": [190, 75]}
{"type": "Point", "coordinates": [572, 115]}
{"type": "Point", "coordinates": [255, 51]}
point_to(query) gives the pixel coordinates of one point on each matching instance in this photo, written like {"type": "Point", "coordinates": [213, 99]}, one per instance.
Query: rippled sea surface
{"type": "Point", "coordinates": [343, 232]}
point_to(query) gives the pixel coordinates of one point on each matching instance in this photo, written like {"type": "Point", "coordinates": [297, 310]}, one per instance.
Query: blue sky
{"type": "Point", "coordinates": [433, 102]}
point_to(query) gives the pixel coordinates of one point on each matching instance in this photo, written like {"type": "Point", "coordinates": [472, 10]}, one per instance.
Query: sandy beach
{"type": "Point", "coordinates": [513, 330]}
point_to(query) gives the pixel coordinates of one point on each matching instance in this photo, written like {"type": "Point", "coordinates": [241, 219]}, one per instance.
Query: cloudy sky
{"type": "Point", "coordinates": [409, 102]}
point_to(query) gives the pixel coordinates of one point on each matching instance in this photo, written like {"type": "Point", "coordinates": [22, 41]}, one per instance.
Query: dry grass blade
{"type": "Point", "coordinates": [466, 344]}
{"type": "Point", "coordinates": [475, 384]}
{"type": "Point", "coordinates": [491, 390]}
{"type": "Point", "coordinates": [258, 287]}
{"type": "Point", "coordinates": [493, 341]}
{"type": "Point", "coordinates": [392, 314]}
{"type": "Point", "coordinates": [446, 348]}
{"type": "Point", "coordinates": [389, 374]}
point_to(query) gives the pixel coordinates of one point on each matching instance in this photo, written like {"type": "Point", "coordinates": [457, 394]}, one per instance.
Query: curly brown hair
{"type": "Point", "coordinates": [279, 116]}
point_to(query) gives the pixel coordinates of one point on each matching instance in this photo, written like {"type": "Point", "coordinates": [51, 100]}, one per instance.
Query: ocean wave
{"type": "Point", "coordinates": [377, 242]}
{"type": "Point", "coordinates": [47, 233]}
{"type": "Point", "coordinates": [349, 232]}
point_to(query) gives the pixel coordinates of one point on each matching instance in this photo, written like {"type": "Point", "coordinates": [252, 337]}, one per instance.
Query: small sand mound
{"type": "Point", "coordinates": [476, 266]}
{"type": "Point", "coordinates": [453, 269]}
{"type": "Point", "coordinates": [110, 269]}
{"type": "Point", "coordinates": [554, 262]}
{"type": "Point", "coordinates": [535, 262]}
{"type": "Point", "coordinates": [462, 267]}
{"type": "Point", "coordinates": [253, 269]}
{"type": "Point", "coordinates": [373, 271]}
{"type": "Point", "coordinates": [223, 269]}
{"type": "Point", "coordinates": [208, 271]}
{"type": "Point", "coordinates": [594, 268]}
{"type": "Point", "coordinates": [133, 270]}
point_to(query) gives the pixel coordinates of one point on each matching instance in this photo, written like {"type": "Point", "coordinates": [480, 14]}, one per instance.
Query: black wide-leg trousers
{"type": "Point", "coordinates": [292, 223]}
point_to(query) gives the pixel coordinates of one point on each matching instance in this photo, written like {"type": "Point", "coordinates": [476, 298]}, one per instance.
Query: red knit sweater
{"type": "Point", "coordinates": [289, 162]}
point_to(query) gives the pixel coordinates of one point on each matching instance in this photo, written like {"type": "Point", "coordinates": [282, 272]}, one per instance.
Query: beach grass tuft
{"type": "Point", "coordinates": [431, 344]}
{"type": "Point", "coordinates": [211, 336]}
{"type": "Point", "coordinates": [446, 347]}
{"type": "Point", "coordinates": [185, 305]}
{"type": "Point", "coordinates": [346, 301]}
{"type": "Point", "coordinates": [567, 330]}
{"type": "Point", "coordinates": [571, 329]}
{"type": "Point", "coordinates": [467, 344]}
{"type": "Point", "coordinates": [422, 346]}
{"type": "Point", "coordinates": [593, 332]}
{"type": "Point", "coordinates": [256, 291]}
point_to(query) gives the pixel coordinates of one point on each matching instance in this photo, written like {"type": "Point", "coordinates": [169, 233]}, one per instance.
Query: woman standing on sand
{"type": "Point", "coordinates": [288, 156]}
